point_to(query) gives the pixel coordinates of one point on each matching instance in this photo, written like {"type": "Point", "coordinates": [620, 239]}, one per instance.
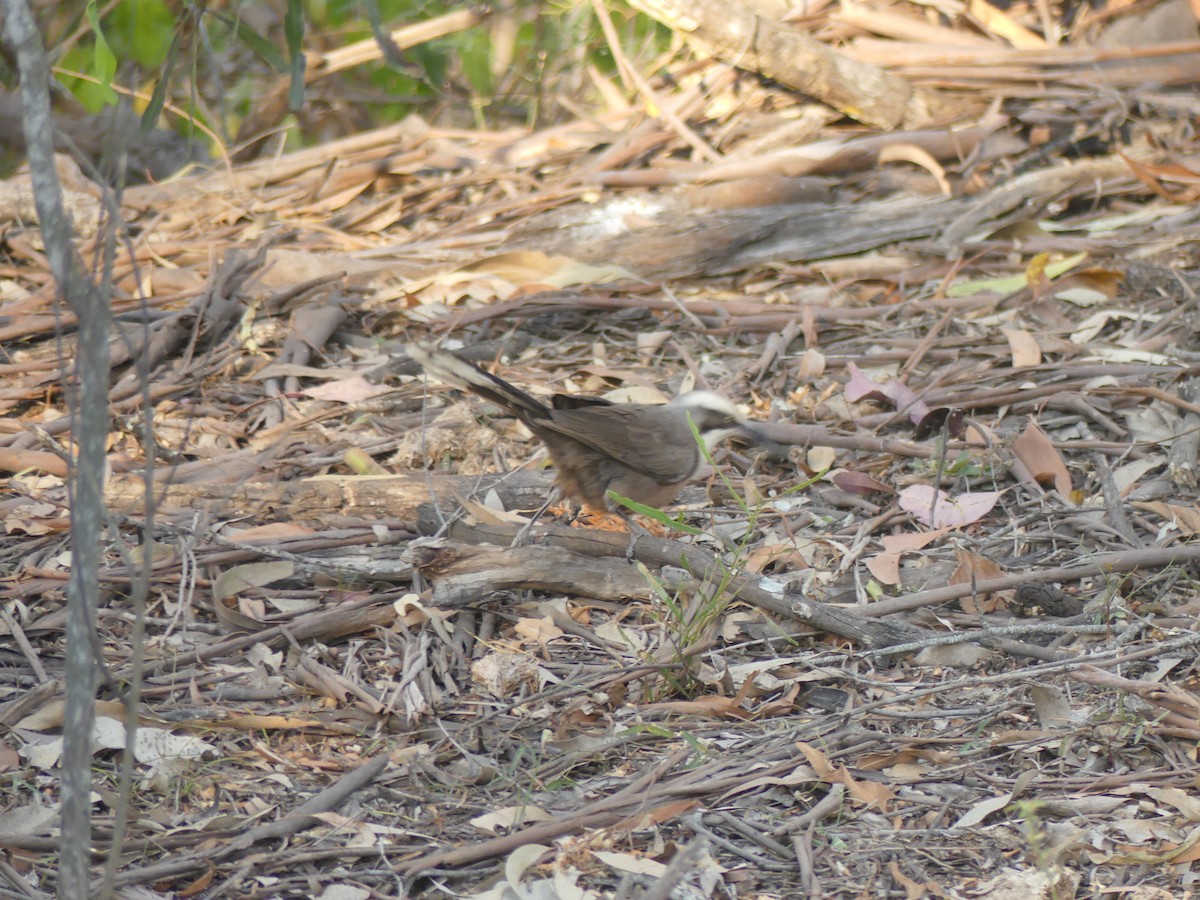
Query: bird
{"type": "Point", "coordinates": [645, 452]}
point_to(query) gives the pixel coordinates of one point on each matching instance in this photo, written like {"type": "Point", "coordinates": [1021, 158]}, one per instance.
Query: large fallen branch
{"type": "Point", "coordinates": [727, 29]}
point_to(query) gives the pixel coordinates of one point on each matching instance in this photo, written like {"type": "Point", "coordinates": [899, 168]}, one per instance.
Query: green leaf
{"type": "Point", "coordinates": [475, 51]}
{"type": "Point", "coordinates": [258, 44]}
{"type": "Point", "coordinates": [104, 63]}
{"type": "Point", "coordinates": [159, 98]}
{"type": "Point", "coordinates": [655, 585]}
{"type": "Point", "coordinates": [293, 32]}
{"type": "Point", "coordinates": [142, 30]}
{"type": "Point", "coordinates": [656, 514]}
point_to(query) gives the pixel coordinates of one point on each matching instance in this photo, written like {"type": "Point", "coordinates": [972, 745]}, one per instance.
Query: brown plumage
{"type": "Point", "coordinates": [641, 451]}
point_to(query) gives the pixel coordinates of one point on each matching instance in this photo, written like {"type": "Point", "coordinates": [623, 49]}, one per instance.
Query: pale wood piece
{"type": "Point", "coordinates": [730, 31]}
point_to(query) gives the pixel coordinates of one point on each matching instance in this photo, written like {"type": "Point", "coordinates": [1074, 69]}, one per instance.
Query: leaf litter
{"type": "Point", "coordinates": [961, 662]}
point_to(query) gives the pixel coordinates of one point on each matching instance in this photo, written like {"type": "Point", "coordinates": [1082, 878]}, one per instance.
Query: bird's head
{"type": "Point", "coordinates": [715, 417]}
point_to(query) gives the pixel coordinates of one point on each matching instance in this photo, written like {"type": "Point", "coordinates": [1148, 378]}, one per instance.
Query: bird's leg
{"type": "Point", "coordinates": [523, 535]}
{"type": "Point", "coordinates": [635, 531]}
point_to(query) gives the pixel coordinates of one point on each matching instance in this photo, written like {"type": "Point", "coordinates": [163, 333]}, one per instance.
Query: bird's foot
{"type": "Point", "coordinates": [523, 536]}
{"type": "Point", "coordinates": [636, 532]}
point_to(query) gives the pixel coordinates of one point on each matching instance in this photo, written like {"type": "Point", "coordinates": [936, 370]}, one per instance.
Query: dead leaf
{"type": "Point", "coordinates": [665, 812]}
{"type": "Point", "coordinates": [948, 512]}
{"type": "Point", "coordinates": [1153, 175]}
{"type": "Point", "coordinates": [1052, 707]}
{"type": "Point", "coordinates": [1185, 518]}
{"type": "Point", "coordinates": [1042, 461]}
{"type": "Point", "coordinates": [509, 817]}
{"type": "Point", "coordinates": [1024, 348]}
{"type": "Point", "coordinates": [905, 400]}
{"type": "Point", "coordinates": [869, 792]}
{"type": "Point", "coordinates": [973, 568]}
{"type": "Point", "coordinates": [821, 458]}
{"type": "Point", "coordinates": [506, 674]}
{"type": "Point", "coordinates": [919, 156]}
{"type": "Point", "coordinates": [233, 581]}
{"type": "Point", "coordinates": [1002, 25]}
{"type": "Point", "coordinates": [859, 484]}
{"type": "Point", "coordinates": [539, 631]}
{"type": "Point", "coordinates": [884, 567]}
{"type": "Point", "coordinates": [347, 390]}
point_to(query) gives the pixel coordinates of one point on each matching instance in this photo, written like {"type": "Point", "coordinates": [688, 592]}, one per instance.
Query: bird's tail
{"type": "Point", "coordinates": [458, 373]}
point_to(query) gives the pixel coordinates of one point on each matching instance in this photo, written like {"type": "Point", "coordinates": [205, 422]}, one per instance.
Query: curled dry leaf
{"type": "Point", "coordinates": [869, 792]}
{"type": "Point", "coordinates": [895, 391]}
{"type": "Point", "coordinates": [973, 568]}
{"type": "Point", "coordinates": [905, 400]}
{"type": "Point", "coordinates": [859, 484]}
{"type": "Point", "coordinates": [1043, 463]}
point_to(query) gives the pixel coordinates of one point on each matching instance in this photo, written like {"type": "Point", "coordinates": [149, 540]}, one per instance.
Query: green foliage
{"type": "Point", "coordinates": [964, 465]}
{"type": "Point", "coordinates": [141, 30]}
{"type": "Point", "coordinates": [93, 96]}
{"type": "Point", "coordinates": [293, 31]}
{"type": "Point", "coordinates": [181, 53]}
{"type": "Point", "coordinates": [1029, 812]}
{"type": "Point", "coordinates": [263, 48]}
{"type": "Point", "coordinates": [475, 52]}
{"type": "Point", "coordinates": [674, 523]}
{"type": "Point", "coordinates": [104, 62]}
{"type": "Point", "coordinates": [688, 620]}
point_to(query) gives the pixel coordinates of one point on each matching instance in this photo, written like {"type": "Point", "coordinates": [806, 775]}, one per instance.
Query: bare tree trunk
{"type": "Point", "coordinates": [90, 393]}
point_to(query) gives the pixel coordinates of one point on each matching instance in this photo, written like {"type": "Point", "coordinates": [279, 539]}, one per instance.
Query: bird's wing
{"type": "Point", "coordinates": [652, 440]}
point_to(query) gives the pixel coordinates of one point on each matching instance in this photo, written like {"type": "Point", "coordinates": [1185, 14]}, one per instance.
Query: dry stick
{"type": "Point", "coordinates": [924, 345]}
{"type": "Point", "coordinates": [972, 398]}
{"type": "Point", "coordinates": [1156, 393]}
{"type": "Point", "coordinates": [694, 822]}
{"type": "Point", "coordinates": [994, 637]}
{"type": "Point", "coordinates": [1183, 459]}
{"type": "Point", "coordinates": [761, 592]}
{"type": "Point", "coordinates": [604, 811]}
{"type": "Point", "coordinates": [820, 436]}
{"type": "Point", "coordinates": [301, 628]}
{"type": "Point", "coordinates": [1101, 564]}
{"type": "Point", "coordinates": [1032, 674]}
{"type": "Point", "coordinates": [744, 312]}
{"type": "Point", "coordinates": [627, 70]}
{"type": "Point", "coordinates": [680, 867]}
{"type": "Point", "coordinates": [627, 802]}
{"type": "Point", "coordinates": [302, 817]}
{"type": "Point", "coordinates": [26, 648]}
{"type": "Point", "coordinates": [1112, 502]}
{"type": "Point", "coordinates": [457, 590]}
{"type": "Point", "coordinates": [1182, 717]}
{"type": "Point", "coordinates": [1027, 188]}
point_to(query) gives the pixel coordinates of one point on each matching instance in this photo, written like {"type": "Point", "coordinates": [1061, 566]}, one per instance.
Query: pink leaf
{"type": "Point", "coordinates": [948, 512]}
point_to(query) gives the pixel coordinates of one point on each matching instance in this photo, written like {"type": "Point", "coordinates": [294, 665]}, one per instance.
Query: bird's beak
{"type": "Point", "coordinates": [751, 434]}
